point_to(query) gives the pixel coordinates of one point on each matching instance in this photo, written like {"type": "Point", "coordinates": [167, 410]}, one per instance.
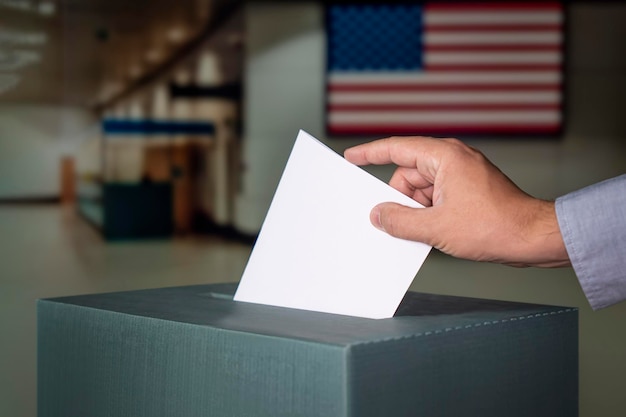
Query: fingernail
{"type": "Point", "coordinates": [375, 218]}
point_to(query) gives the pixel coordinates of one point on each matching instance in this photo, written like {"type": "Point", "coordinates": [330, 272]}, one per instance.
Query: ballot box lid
{"type": "Point", "coordinates": [212, 306]}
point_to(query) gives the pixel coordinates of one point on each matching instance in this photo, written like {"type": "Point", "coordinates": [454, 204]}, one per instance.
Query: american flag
{"type": "Point", "coordinates": [445, 68]}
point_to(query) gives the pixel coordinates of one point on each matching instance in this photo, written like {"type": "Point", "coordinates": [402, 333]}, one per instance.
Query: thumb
{"type": "Point", "coordinates": [404, 222]}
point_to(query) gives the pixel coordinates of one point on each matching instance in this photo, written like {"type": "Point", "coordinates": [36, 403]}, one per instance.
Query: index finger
{"type": "Point", "coordinates": [409, 152]}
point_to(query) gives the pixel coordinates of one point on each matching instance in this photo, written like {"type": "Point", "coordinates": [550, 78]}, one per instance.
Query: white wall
{"type": "Point", "coordinates": [285, 91]}
{"type": "Point", "coordinates": [32, 141]}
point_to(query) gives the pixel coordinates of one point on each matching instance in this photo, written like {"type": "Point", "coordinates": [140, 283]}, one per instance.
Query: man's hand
{"type": "Point", "coordinates": [473, 210]}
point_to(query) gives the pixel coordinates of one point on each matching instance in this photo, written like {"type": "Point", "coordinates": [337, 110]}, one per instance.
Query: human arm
{"type": "Point", "coordinates": [473, 210]}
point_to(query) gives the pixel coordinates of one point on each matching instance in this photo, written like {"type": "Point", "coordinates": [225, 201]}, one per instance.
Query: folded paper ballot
{"type": "Point", "coordinates": [317, 249]}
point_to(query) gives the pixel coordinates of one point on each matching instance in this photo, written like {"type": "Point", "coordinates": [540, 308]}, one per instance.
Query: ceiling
{"type": "Point", "coordinates": [87, 52]}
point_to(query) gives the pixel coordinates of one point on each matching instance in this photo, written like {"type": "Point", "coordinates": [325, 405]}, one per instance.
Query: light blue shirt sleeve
{"type": "Point", "coordinates": [593, 225]}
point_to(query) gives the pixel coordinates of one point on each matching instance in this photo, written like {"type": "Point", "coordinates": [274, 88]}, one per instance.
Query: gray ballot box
{"type": "Point", "coordinates": [193, 351]}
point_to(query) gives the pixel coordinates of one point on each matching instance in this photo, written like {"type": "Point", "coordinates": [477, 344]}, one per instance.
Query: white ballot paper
{"type": "Point", "coordinates": [317, 249]}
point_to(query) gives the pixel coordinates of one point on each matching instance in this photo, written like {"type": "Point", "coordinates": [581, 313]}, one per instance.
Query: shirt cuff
{"type": "Point", "coordinates": [593, 225]}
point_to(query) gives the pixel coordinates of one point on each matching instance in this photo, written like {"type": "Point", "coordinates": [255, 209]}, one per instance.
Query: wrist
{"type": "Point", "coordinates": [546, 247]}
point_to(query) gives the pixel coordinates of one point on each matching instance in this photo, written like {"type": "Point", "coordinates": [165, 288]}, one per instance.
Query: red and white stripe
{"type": "Point", "coordinates": [488, 68]}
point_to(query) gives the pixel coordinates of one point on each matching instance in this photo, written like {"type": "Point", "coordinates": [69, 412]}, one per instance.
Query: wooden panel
{"type": "Point", "coordinates": [68, 180]}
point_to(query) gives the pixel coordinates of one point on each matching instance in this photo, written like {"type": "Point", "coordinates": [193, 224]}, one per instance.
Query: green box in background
{"type": "Point", "coordinates": [192, 351]}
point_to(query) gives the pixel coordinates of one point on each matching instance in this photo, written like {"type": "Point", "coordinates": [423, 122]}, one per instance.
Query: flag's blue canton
{"type": "Point", "coordinates": [375, 37]}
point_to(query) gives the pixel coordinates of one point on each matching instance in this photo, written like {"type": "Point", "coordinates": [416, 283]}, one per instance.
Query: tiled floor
{"type": "Point", "coordinates": [46, 251]}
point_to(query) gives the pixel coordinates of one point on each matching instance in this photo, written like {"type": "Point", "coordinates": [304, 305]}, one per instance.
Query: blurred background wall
{"type": "Point", "coordinates": [284, 76]}
{"type": "Point", "coordinates": [33, 139]}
